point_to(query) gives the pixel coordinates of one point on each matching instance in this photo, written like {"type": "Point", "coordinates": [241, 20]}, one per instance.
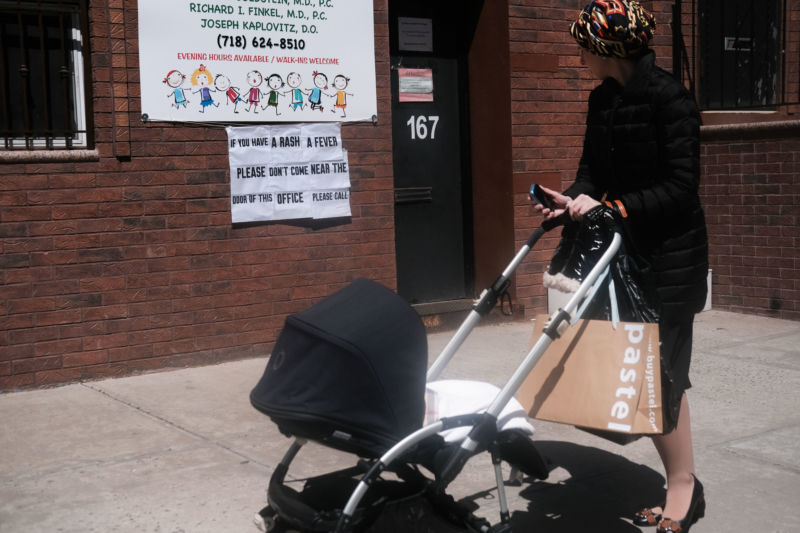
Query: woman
{"type": "Point", "coordinates": [641, 159]}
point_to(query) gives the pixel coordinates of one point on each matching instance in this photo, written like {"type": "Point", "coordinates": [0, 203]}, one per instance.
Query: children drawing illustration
{"type": "Point", "coordinates": [254, 80]}
{"type": "Point", "coordinates": [202, 78]}
{"type": "Point", "coordinates": [232, 95]}
{"type": "Point", "coordinates": [174, 79]}
{"type": "Point", "coordinates": [274, 82]}
{"type": "Point", "coordinates": [293, 80]}
{"type": "Point", "coordinates": [277, 91]}
{"type": "Point", "coordinates": [320, 86]}
{"type": "Point", "coordinates": [340, 84]}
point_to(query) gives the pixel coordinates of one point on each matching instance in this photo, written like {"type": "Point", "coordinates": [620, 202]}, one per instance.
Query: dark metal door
{"type": "Point", "coordinates": [432, 258]}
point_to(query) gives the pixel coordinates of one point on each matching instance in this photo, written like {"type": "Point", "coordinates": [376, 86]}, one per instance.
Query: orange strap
{"type": "Point", "coordinates": [618, 207]}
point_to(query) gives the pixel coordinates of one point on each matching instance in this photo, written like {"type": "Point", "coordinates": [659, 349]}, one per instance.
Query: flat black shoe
{"type": "Point", "coordinates": [697, 509]}
{"type": "Point", "coordinates": [646, 517]}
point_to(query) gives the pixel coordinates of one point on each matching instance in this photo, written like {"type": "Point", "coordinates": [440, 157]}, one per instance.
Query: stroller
{"type": "Point", "coordinates": [350, 373]}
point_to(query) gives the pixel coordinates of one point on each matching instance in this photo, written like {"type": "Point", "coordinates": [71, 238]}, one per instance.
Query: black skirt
{"type": "Point", "coordinates": [676, 357]}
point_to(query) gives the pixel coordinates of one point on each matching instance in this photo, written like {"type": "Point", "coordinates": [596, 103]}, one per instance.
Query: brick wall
{"type": "Point", "coordinates": [548, 107]}
{"type": "Point", "coordinates": [751, 194]}
{"type": "Point", "coordinates": [125, 260]}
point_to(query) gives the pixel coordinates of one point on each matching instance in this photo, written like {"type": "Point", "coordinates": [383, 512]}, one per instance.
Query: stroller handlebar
{"type": "Point", "coordinates": [552, 223]}
{"type": "Point", "coordinates": [489, 297]}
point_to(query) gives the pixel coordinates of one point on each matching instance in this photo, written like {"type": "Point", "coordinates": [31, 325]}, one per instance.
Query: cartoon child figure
{"type": "Point", "coordinates": [274, 82]}
{"type": "Point", "coordinates": [254, 80]}
{"type": "Point", "coordinates": [174, 79]}
{"type": "Point", "coordinates": [340, 84]}
{"type": "Point", "coordinates": [293, 81]}
{"type": "Point", "coordinates": [320, 85]}
{"type": "Point", "coordinates": [223, 85]}
{"type": "Point", "coordinates": [202, 77]}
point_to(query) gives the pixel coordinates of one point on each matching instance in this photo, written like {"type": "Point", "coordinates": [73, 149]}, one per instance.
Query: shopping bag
{"type": "Point", "coordinates": [599, 377]}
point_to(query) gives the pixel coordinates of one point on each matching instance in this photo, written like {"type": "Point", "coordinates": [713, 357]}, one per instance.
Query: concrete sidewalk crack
{"type": "Point", "coordinates": [170, 423]}
{"type": "Point", "coordinates": [737, 447]}
{"type": "Point", "coordinates": [756, 340]}
{"type": "Point", "coordinates": [761, 459]}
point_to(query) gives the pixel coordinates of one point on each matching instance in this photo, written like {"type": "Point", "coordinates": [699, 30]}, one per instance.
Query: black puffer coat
{"type": "Point", "coordinates": [642, 147]}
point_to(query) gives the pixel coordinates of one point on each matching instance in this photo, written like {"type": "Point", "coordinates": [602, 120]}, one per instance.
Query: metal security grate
{"type": "Point", "coordinates": [42, 77]}
{"type": "Point", "coordinates": [733, 53]}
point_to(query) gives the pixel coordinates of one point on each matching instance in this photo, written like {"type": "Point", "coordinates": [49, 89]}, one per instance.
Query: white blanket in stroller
{"type": "Point", "coordinates": [452, 397]}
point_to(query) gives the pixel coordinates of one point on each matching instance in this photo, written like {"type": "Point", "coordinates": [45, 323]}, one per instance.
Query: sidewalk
{"type": "Point", "coordinates": [183, 451]}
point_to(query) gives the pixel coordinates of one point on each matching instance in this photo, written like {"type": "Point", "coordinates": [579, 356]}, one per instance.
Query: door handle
{"type": "Point", "coordinates": [413, 195]}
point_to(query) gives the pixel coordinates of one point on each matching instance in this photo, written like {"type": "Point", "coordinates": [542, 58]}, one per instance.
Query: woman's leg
{"type": "Point", "coordinates": [675, 450]}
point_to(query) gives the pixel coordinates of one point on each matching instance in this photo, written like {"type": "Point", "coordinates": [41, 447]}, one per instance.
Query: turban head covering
{"type": "Point", "coordinates": [614, 28]}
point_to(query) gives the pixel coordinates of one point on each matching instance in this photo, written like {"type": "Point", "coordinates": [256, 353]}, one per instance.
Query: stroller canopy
{"type": "Point", "coordinates": [349, 371]}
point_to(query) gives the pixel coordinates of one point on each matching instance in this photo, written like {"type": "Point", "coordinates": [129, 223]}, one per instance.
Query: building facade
{"type": "Point", "coordinates": [118, 254]}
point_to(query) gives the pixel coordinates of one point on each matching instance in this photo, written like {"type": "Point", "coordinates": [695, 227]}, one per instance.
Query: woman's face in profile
{"type": "Point", "coordinates": [597, 65]}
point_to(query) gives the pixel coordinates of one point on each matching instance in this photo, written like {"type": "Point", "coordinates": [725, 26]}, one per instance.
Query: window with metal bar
{"type": "Point", "coordinates": [740, 54]}
{"type": "Point", "coordinates": [43, 89]}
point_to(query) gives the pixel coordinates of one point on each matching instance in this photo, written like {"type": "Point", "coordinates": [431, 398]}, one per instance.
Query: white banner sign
{"type": "Point", "coordinates": [257, 60]}
{"type": "Point", "coordinates": [288, 172]}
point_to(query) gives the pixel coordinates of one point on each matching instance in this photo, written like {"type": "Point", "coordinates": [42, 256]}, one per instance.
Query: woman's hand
{"type": "Point", "coordinates": [576, 208]}
{"type": "Point", "coordinates": [560, 203]}
{"type": "Point", "coordinates": [580, 206]}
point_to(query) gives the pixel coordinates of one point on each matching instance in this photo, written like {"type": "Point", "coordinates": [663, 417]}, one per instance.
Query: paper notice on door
{"type": "Point", "coordinates": [415, 84]}
{"type": "Point", "coordinates": [415, 34]}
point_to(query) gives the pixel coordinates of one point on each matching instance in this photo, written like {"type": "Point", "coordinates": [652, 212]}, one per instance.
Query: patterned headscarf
{"type": "Point", "coordinates": [614, 28]}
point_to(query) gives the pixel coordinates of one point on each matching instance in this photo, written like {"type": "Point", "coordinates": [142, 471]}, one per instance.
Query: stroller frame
{"type": "Point", "coordinates": [481, 429]}
{"type": "Point", "coordinates": [483, 425]}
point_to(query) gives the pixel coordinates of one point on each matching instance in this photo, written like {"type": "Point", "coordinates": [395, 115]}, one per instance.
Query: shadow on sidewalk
{"type": "Point", "coordinates": [602, 492]}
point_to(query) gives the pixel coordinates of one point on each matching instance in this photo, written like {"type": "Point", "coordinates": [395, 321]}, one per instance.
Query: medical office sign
{"type": "Point", "coordinates": [291, 171]}
{"type": "Point", "coordinates": [257, 60]}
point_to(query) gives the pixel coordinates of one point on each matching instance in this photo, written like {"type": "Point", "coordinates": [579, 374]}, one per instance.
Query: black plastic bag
{"type": "Point", "coordinates": [581, 246]}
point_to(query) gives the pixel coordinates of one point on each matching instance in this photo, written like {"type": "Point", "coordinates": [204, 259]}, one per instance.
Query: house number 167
{"type": "Point", "coordinates": [419, 126]}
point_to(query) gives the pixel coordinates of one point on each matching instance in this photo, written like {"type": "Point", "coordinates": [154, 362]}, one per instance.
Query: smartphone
{"type": "Point", "coordinates": [540, 197]}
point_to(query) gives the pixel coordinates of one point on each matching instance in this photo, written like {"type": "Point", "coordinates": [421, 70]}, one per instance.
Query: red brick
{"type": "Point", "coordinates": [128, 353]}
{"type": "Point", "coordinates": [64, 257]}
{"type": "Point", "coordinates": [19, 246]}
{"type": "Point", "coordinates": [18, 214]}
{"type": "Point", "coordinates": [99, 342]}
{"type": "Point", "coordinates": [174, 347]}
{"type": "Point", "coordinates": [215, 342]}
{"type": "Point", "coordinates": [104, 284]}
{"type": "Point", "coordinates": [9, 322]}
{"type": "Point", "coordinates": [50, 377]}
{"type": "Point", "coordinates": [8, 383]}
{"type": "Point", "coordinates": [33, 335]}
{"type": "Point", "coordinates": [31, 305]}
{"type": "Point", "coordinates": [11, 352]}
{"type": "Point", "coordinates": [58, 347]}
{"type": "Point", "coordinates": [67, 316]}
{"type": "Point", "coordinates": [57, 287]}
{"type": "Point", "coordinates": [107, 312]}
{"type": "Point", "coordinates": [29, 274]}
{"type": "Point", "coordinates": [36, 364]}
{"type": "Point", "coordinates": [83, 359]}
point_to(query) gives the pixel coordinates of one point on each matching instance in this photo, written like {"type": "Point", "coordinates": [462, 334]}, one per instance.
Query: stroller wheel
{"type": "Point", "coordinates": [266, 519]}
